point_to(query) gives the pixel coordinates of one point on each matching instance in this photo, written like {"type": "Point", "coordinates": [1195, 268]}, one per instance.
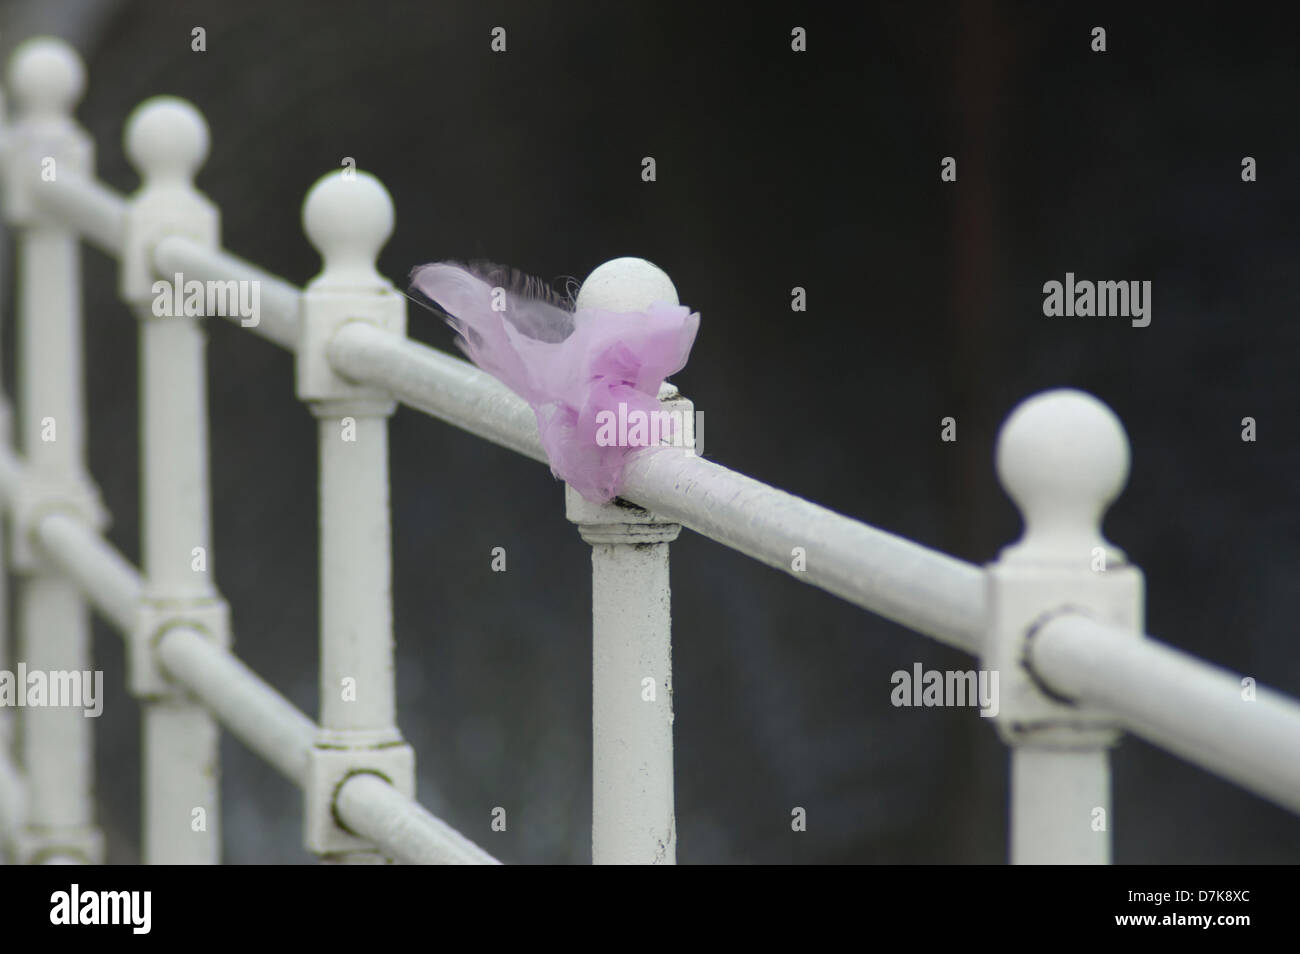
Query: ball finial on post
{"type": "Point", "coordinates": [46, 77]}
{"type": "Point", "coordinates": [166, 140]}
{"type": "Point", "coordinates": [626, 284]}
{"type": "Point", "coordinates": [348, 217]}
{"type": "Point", "coordinates": [1063, 457]}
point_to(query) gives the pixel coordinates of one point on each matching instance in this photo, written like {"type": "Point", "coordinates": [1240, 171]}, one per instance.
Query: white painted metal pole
{"type": "Point", "coordinates": [47, 78]}
{"type": "Point", "coordinates": [11, 783]}
{"type": "Point", "coordinates": [633, 817]}
{"type": "Point", "coordinates": [348, 217]}
{"type": "Point", "coordinates": [357, 682]}
{"type": "Point", "coordinates": [1055, 793]}
{"type": "Point", "coordinates": [1063, 457]}
{"type": "Point", "coordinates": [57, 743]}
{"type": "Point", "coordinates": [175, 509]}
{"type": "Point", "coordinates": [167, 140]}
{"type": "Point", "coordinates": [12, 809]}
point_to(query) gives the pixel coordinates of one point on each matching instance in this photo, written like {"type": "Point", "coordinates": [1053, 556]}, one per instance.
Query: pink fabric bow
{"type": "Point", "coordinates": [578, 370]}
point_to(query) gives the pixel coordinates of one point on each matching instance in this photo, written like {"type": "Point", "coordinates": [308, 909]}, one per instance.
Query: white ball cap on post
{"type": "Point", "coordinates": [626, 284]}
{"type": "Point", "coordinates": [1063, 457]}
{"type": "Point", "coordinates": [46, 77]}
{"type": "Point", "coordinates": [166, 140]}
{"type": "Point", "coordinates": [348, 217]}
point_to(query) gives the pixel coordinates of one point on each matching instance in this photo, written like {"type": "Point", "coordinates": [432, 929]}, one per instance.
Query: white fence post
{"type": "Point", "coordinates": [167, 140]}
{"type": "Point", "coordinates": [8, 784]}
{"type": "Point", "coordinates": [1063, 457]}
{"type": "Point", "coordinates": [633, 818]}
{"type": "Point", "coordinates": [46, 78]}
{"type": "Point", "coordinates": [348, 216]}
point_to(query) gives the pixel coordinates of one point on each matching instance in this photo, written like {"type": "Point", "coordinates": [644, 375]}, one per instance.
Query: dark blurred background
{"type": "Point", "coordinates": [775, 169]}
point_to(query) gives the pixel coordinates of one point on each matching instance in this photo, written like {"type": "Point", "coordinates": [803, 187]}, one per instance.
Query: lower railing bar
{"type": "Point", "coordinates": [250, 709]}
{"type": "Point", "coordinates": [247, 706]}
{"type": "Point", "coordinates": [920, 588]}
{"type": "Point", "coordinates": [403, 828]}
{"type": "Point", "coordinates": [94, 564]}
{"type": "Point", "coordinates": [1192, 708]}
{"type": "Point", "coordinates": [268, 724]}
{"type": "Point", "coordinates": [91, 208]}
{"type": "Point", "coordinates": [109, 581]}
{"type": "Point", "coordinates": [278, 299]}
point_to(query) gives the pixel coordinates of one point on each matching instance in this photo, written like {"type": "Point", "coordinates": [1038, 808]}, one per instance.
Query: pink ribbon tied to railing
{"type": "Point", "coordinates": [578, 369]}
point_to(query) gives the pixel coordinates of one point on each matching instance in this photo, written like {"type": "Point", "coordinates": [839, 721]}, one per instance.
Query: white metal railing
{"type": "Point", "coordinates": [1058, 615]}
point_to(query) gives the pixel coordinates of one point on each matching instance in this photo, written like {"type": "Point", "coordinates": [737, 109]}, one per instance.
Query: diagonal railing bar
{"type": "Point", "coordinates": [923, 589]}
{"type": "Point", "coordinates": [437, 384]}
{"type": "Point", "coordinates": [92, 209]}
{"type": "Point", "coordinates": [915, 586]}
{"type": "Point", "coordinates": [99, 214]}
{"type": "Point", "coordinates": [378, 812]}
{"type": "Point", "coordinates": [248, 707]}
{"type": "Point", "coordinates": [1209, 716]}
{"type": "Point", "coordinates": [102, 573]}
{"type": "Point", "coordinates": [278, 321]}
